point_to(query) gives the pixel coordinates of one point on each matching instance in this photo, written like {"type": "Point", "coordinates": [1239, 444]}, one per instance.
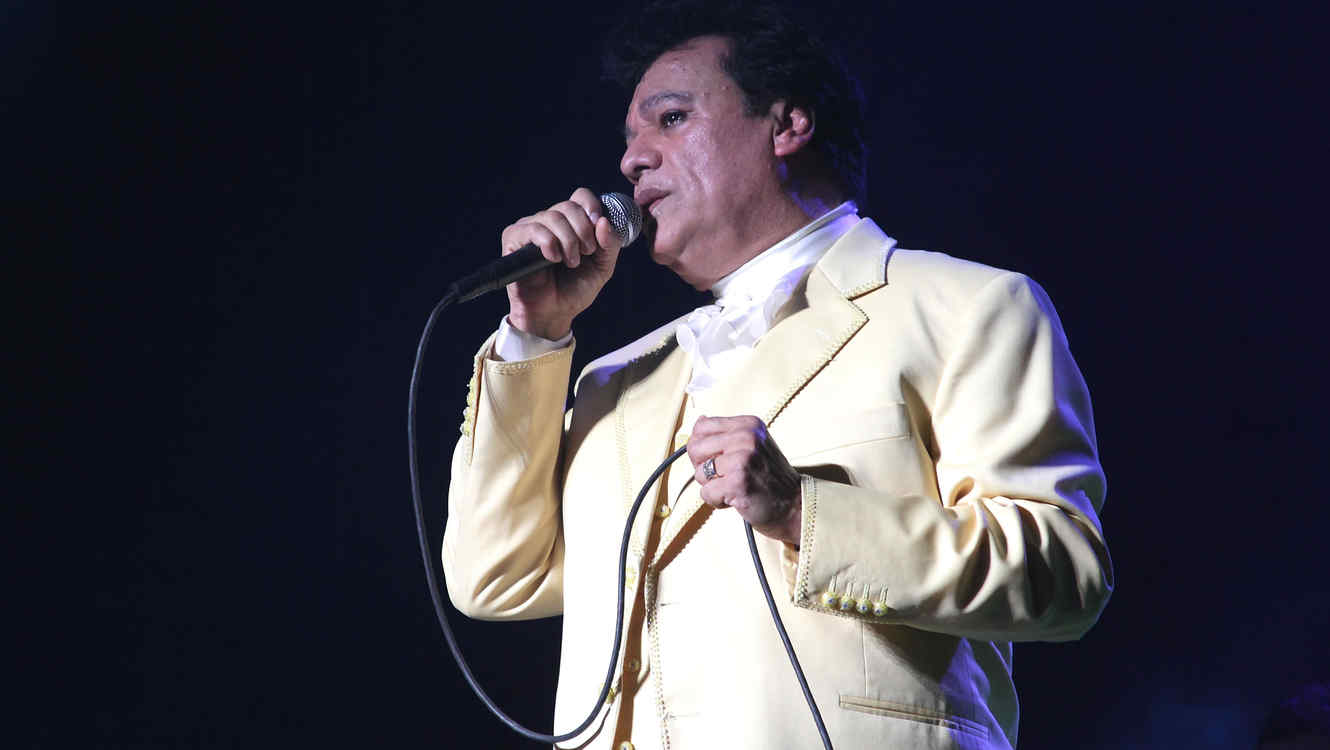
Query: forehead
{"type": "Point", "coordinates": [691, 69]}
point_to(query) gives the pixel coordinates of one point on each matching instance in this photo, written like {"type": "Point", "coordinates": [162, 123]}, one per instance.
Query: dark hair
{"type": "Point", "coordinates": [770, 57]}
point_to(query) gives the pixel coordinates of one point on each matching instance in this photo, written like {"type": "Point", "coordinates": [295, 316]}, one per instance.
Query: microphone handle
{"type": "Point", "coordinates": [502, 272]}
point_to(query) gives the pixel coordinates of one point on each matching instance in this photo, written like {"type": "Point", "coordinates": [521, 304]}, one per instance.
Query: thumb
{"type": "Point", "coordinates": [606, 237]}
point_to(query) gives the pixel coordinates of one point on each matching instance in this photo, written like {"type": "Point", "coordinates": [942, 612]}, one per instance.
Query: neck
{"type": "Point", "coordinates": [782, 218]}
{"type": "Point", "coordinates": [813, 194]}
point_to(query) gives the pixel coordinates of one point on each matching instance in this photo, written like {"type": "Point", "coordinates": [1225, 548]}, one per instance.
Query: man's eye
{"type": "Point", "coordinates": [671, 118]}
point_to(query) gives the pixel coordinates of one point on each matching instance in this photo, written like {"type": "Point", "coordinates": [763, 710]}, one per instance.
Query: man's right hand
{"type": "Point", "coordinates": [576, 234]}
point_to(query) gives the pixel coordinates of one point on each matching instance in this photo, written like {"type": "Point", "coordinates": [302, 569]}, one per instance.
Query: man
{"type": "Point", "coordinates": [906, 431]}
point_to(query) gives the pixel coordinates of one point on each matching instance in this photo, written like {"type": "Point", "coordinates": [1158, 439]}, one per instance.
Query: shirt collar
{"type": "Point", "coordinates": [757, 278]}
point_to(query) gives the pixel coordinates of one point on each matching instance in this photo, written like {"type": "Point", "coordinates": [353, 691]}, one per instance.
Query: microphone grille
{"type": "Point", "coordinates": [624, 215]}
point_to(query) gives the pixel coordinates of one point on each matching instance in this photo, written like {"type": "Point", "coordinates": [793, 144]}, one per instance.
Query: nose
{"type": "Point", "coordinates": [638, 157]}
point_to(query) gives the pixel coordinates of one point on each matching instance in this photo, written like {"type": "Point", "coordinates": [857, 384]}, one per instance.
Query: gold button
{"type": "Point", "coordinates": [879, 609]}
{"type": "Point", "coordinates": [830, 599]}
{"type": "Point", "coordinates": [846, 603]}
{"type": "Point", "coordinates": [626, 745]}
{"type": "Point", "coordinates": [864, 606]}
{"type": "Point", "coordinates": [663, 510]}
{"type": "Point", "coordinates": [632, 665]}
{"type": "Point", "coordinates": [680, 439]}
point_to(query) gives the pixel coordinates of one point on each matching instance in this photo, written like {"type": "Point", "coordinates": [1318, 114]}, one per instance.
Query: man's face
{"type": "Point", "coordinates": [703, 169]}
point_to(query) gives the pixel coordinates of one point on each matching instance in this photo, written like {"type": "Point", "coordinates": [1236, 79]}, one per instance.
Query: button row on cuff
{"type": "Point", "coordinates": [864, 606]}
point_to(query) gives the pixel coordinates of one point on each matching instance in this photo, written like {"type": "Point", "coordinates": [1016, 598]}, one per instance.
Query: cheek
{"type": "Point", "coordinates": [711, 159]}
{"type": "Point", "coordinates": [695, 165]}
{"type": "Point", "coordinates": [728, 163]}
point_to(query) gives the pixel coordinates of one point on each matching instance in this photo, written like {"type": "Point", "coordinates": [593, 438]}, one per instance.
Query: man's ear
{"type": "Point", "coordinates": [794, 128]}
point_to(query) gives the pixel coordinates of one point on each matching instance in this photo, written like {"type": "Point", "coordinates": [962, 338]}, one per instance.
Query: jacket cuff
{"type": "Point", "coordinates": [514, 345]}
{"type": "Point", "coordinates": [822, 581]}
{"type": "Point", "coordinates": [497, 386]}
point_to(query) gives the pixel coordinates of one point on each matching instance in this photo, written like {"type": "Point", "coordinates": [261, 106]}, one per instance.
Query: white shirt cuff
{"type": "Point", "coordinates": [515, 345]}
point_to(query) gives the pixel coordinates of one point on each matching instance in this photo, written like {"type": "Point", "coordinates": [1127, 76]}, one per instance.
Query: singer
{"type": "Point", "coordinates": [907, 432]}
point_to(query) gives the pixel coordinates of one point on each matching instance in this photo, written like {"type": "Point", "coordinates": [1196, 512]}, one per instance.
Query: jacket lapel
{"type": "Point", "coordinates": [645, 418]}
{"type": "Point", "coordinates": [813, 326]}
{"type": "Point", "coordinates": [819, 320]}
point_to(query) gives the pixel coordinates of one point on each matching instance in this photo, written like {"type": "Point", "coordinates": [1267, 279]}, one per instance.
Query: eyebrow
{"type": "Point", "coordinates": [682, 97]}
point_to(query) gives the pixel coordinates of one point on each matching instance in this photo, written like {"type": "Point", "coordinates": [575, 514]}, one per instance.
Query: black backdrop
{"type": "Point", "coordinates": [235, 217]}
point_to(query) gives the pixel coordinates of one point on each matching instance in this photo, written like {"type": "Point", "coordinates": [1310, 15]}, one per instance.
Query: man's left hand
{"type": "Point", "coordinates": [751, 475]}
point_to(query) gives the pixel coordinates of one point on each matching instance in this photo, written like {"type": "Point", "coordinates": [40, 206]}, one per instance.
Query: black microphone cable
{"type": "Point", "coordinates": [437, 598]}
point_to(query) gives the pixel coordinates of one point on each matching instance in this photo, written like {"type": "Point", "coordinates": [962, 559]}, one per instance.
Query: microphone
{"type": "Point", "coordinates": [624, 215]}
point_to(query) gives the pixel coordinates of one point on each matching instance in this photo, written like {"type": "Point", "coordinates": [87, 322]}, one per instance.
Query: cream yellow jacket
{"type": "Point", "coordinates": [951, 488]}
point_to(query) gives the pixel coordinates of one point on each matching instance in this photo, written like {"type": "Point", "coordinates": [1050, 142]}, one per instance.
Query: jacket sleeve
{"type": "Point", "coordinates": [1014, 549]}
{"type": "Point", "coordinates": [503, 543]}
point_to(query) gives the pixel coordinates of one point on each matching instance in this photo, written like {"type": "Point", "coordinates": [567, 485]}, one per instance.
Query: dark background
{"type": "Point", "coordinates": [233, 218]}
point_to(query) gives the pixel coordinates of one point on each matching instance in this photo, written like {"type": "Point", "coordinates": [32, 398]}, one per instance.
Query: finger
{"type": "Point", "coordinates": [714, 494]}
{"type": "Point", "coordinates": [606, 237]}
{"type": "Point", "coordinates": [582, 223]}
{"type": "Point", "coordinates": [590, 203]}
{"type": "Point", "coordinates": [700, 469]}
{"type": "Point", "coordinates": [530, 231]}
{"type": "Point", "coordinates": [702, 448]}
{"type": "Point", "coordinates": [713, 425]}
{"type": "Point", "coordinates": [738, 442]}
{"type": "Point", "coordinates": [570, 245]}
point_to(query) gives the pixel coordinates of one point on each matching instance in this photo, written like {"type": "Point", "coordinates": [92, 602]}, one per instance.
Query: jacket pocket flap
{"type": "Point", "coordinates": [913, 713]}
{"type": "Point", "coordinates": [841, 429]}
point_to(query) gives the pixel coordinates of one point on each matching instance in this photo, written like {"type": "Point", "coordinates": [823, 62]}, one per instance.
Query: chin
{"type": "Point", "coordinates": [688, 274]}
{"type": "Point", "coordinates": [673, 262]}
{"type": "Point", "coordinates": [660, 251]}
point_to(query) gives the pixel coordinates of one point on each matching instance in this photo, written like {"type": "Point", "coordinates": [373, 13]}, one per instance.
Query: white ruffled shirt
{"type": "Point", "coordinates": [720, 335]}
